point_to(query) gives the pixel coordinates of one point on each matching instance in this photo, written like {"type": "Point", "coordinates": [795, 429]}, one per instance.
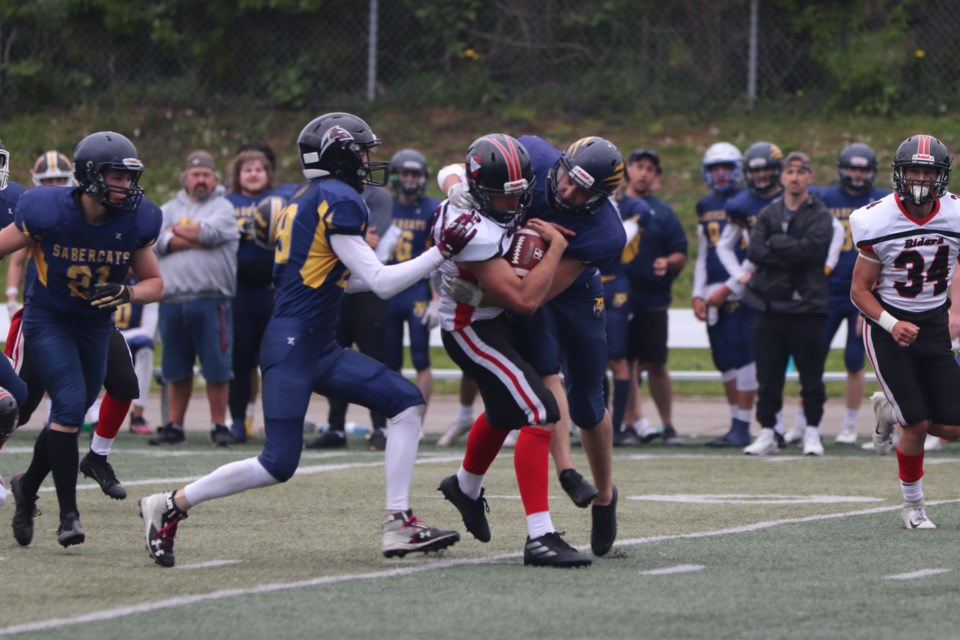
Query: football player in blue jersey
{"type": "Point", "coordinates": [856, 170]}
{"type": "Point", "coordinates": [617, 304]}
{"type": "Point", "coordinates": [319, 238]}
{"type": "Point", "coordinates": [730, 326]}
{"type": "Point", "coordinates": [84, 241]}
{"type": "Point", "coordinates": [252, 181]}
{"type": "Point", "coordinates": [572, 190]}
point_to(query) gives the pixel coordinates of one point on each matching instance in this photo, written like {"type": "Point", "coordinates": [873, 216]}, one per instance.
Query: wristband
{"type": "Point", "coordinates": [886, 321]}
{"type": "Point", "coordinates": [12, 291]}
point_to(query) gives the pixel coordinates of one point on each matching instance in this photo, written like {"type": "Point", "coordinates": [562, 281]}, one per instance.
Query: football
{"type": "Point", "coordinates": [526, 250]}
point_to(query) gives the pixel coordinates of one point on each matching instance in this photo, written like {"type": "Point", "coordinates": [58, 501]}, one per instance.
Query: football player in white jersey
{"type": "Point", "coordinates": [908, 244]}
{"type": "Point", "coordinates": [480, 338]}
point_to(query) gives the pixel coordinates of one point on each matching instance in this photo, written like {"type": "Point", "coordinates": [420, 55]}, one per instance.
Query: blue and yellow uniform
{"type": "Point", "coordinates": [9, 380]}
{"type": "Point", "coordinates": [731, 336]}
{"type": "Point", "coordinates": [413, 220]}
{"type": "Point", "coordinates": [572, 326]}
{"type": "Point", "coordinates": [63, 331]}
{"type": "Point", "coordinates": [299, 355]}
{"type": "Point", "coordinates": [841, 204]}
{"type": "Point", "coordinates": [617, 298]}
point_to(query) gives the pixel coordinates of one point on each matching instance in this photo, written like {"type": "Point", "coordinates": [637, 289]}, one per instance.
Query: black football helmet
{"type": "Point", "coordinates": [9, 414]}
{"type": "Point", "coordinates": [100, 152]}
{"type": "Point", "coordinates": [338, 144]}
{"type": "Point", "coordinates": [762, 155]}
{"type": "Point", "coordinates": [857, 156]}
{"type": "Point", "coordinates": [497, 164]}
{"type": "Point", "coordinates": [593, 164]}
{"type": "Point", "coordinates": [408, 161]}
{"type": "Point", "coordinates": [52, 165]}
{"type": "Point", "coordinates": [921, 151]}
{"type": "Point", "coordinates": [4, 166]}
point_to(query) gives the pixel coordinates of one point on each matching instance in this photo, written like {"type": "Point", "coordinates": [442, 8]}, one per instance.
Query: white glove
{"type": "Point", "coordinates": [431, 315]}
{"type": "Point", "coordinates": [459, 196]}
{"type": "Point", "coordinates": [462, 291]}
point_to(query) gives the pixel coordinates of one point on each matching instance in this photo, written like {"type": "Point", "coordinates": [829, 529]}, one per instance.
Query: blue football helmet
{"type": "Point", "coordinates": [763, 155]}
{"type": "Point", "coordinates": [101, 152]}
{"type": "Point", "coordinates": [593, 164]}
{"type": "Point", "coordinates": [408, 161]}
{"type": "Point", "coordinates": [857, 156]}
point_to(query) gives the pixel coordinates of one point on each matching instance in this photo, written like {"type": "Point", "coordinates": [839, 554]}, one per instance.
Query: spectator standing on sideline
{"type": "Point", "coordinates": [788, 246]}
{"type": "Point", "coordinates": [661, 257]}
{"type": "Point", "coordinates": [856, 170]}
{"type": "Point", "coordinates": [198, 259]}
{"type": "Point", "coordinates": [730, 325]}
{"type": "Point", "coordinates": [68, 321]}
{"type": "Point", "coordinates": [362, 322]}
{"type": "Point", "coordinates": [300, 355]}
{"type": "Point", "coordinates": [252, 181]}
{"type": "Point", "coordinates": [908, 244]}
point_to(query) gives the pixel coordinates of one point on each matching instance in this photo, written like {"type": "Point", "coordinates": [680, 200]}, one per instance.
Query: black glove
{"type": "Point", "coordinates": [456, 235]}
{"type": "Point", "coordinates": [110, 295]}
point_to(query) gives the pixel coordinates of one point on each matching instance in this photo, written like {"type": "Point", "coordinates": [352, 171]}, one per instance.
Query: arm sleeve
{"type": "Point", "coordinates": [369, 274]}
{"type": "Point", "coordinates": [729, 237]}
{"type": "Point", "coordinates": [451, 169]}
{"type": "Point", "coordinates": [836, 243]}
{"type": "Point", "coordinates": [700, 267]}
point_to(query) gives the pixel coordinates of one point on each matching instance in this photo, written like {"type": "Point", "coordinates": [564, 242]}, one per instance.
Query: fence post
{"type": "Point", "coordinates": [752, 57]}
{"type": "Point", "coordinates": [372, 52]}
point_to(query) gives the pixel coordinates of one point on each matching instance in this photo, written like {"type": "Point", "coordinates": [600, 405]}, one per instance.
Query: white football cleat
{"type": "Point", "coordinates": [914, 516]}
{"type": "Point", "coordinates": [846, 436]}
{"type": "Point", "coordinates": [795, 434]}
{"type": "Point", "coordinates": [812, 445]}
{"type": "Point", "coordinates": [765, 444]}
{"type": "Point", "coordinates": [932, 443]}
{"type": "Point", "coordinates": [883, 432]}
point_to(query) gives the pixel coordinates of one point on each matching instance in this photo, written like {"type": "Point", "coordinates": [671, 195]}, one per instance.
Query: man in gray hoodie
{"type": "Point", "coordinates": [197, 249]}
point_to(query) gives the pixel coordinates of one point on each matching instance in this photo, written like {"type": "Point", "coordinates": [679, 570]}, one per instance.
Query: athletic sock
{"type": "Point", "coordinates": [531, 462]}
{"type": "Point", "coordinates": [64, 465]}
{"type": "Point", "coordinates": [483, 444]}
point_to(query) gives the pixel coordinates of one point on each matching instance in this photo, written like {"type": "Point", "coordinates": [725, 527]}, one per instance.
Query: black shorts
{"type": "Point", "coordinates": [922, 380]}
{"type": "Point", "coordinates": [647, 343]}
{"type": "Point", "coordinates": [513, 394]}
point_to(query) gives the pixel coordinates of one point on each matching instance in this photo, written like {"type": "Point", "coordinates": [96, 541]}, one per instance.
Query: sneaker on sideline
{"type": "Point", "coordinates": [670, 436]}
{"type": "Point", "coordinates": [403, 533]}
{"type": "Point", "coordinates": [328, 440]}
{"type": "Point", "coordinates": [140, 426]}
{"type": "Point", "coordinates": [932, 443]}
{"type": "Point", "coordinates": [221, 436]}
{"type": "Point", "coordinates": [765, 444]}
{"type": "Point", "coordinates": [101, 471]}
{"type": "Point", "coordinates": [812, 445]}
{"type": "Point", "coordinates": [914, 516]}
{"type": "Point", "coordinates": [511, 440]}
{"type": "Point", "coordinates": [795, 435]}
{"type": "Point", "coordinates": [473, 512]}
{"type": "Point", "coordinates": [454, 432]}
{"type": "Point", "coordinates": [551, 550]}
{"type": "Point", "coordinates": [160, 518]}
{"type": "Point", "coordinates": [883, 432]}
{"type": "Point", "coordinates": [377, 441]}
{"type": "Point", "coordinates": [168, 434]}
{"type": "Point", "coordinates": [580, 490]}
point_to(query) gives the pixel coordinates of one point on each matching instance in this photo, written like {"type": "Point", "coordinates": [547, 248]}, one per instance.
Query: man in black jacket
{"type": "Point", "coordinates": [789, 246]}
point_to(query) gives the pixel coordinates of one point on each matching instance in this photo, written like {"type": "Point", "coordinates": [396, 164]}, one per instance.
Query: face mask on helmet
{"type": "Point", "coordinates": [408, 173]}
{"type": "Point", "coordinates": [95, 157]}
{"type": "Point", "coordinates": [721, 167]}
{"type": "Point", "coordinates": [921, 152]}
{"type": "Point", "coordinates": [500, 178]}
{"type": "Point", "coordinates": [584, 177]}
{"type": "Point", "coordinates": [762, 163]}
{"type": "Point", "coordinates": [53, 168]}
{"type": "Point", "coordinates": [338, 145]}
{"type": "Point", "coordinates": [857, 168]}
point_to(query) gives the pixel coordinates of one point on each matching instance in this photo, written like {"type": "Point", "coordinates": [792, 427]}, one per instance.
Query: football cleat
{"type": "Point", "coordinates": [70, 531]}
{"type": "Point", "coordinates": [604, 529]}
{"type": "Point", "coordinates": [403, 533]}
{"type": "Point", "coordinates": [473, 512]}
{"type": "Point", "coordinates": [25, 511]}
{"type": "Point", "coordinates": [581, 491]}
{"type": "Point", "coordinates": [883, 432]}
{"type": "Point", "coordinates": [765, 444]}
{"type": "Point", "coordinates": [160, 518]}
{"type": "Point", "coordinates": [551, 550]}
{"type": "Point", "coordinates": [96, 467]}
{"type": "Point", "coordinates": [914, 516]}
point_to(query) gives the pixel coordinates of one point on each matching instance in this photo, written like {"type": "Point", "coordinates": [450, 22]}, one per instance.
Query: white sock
{"type": "Point", "coordinates": [800, 420]}
{"type": "Point", "coordinates": [734, 411]}
{"type": "Point", "coordinates": [101, 445]}
{"type": "Point", "coordinates": [227, 480]}
{"type": "Point", "coordinates": [778, 426]}
{"type": "Point", "coordinates": [470, 483]}
{"type": "Point", "coordinates": [809, 432]}
{"type": "Point", "coordinates": [744, 414]}
{"type": "Point", "coordinates": [850, 419]}
{"type": "Point", "coordinates": [912, 491]}
{"type": "Point", "coordinates": [539, 524]}
{"type": "Point", "coordinates": [403, 439]}
{"type": "Point", "coordinates": [465, 413]}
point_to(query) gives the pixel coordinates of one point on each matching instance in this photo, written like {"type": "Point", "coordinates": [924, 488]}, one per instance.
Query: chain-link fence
{"type": "Point", "coordinates": [580, 57]}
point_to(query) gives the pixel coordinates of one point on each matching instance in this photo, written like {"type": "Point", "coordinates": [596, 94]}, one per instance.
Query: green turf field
{"type": "Point", "coordinates": [712, 545]}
